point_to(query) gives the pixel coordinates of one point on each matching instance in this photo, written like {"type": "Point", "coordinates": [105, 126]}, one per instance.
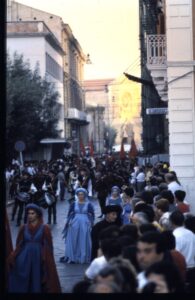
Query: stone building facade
{"type": "Point", "coordinates": [73, 64]}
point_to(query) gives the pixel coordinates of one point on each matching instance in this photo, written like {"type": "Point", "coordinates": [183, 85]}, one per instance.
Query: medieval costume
{"type": "Point", "coordinates": [9, 245]}
{"type": "Point", "coordinates": [32, 267]}
{"type": "Point", "coordinates": [98, 227]}
{"type": "Point", "coordinates": [114, 198]}
{"type": "Point", "coordinates": [77, 231]}
{"type": "Point", "coordinates": [102, 190]}
{"type": "Point", "coordinates": [51, 186]}
{"type": "Point", "coordinates": [24, 186]}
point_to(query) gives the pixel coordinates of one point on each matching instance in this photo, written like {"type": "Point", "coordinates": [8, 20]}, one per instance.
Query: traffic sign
{"type": "Point", "coordinates": [20, 146]}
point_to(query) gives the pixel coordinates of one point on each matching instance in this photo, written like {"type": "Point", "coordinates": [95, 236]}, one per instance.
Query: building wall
{"type": "Point", "coordinates": [97, 93]}
{"type": "Point", "coordinates": [153, 126]}
{"type": "Point", "coordinates": [21, 12]}
{"type": "Point", "coordinates": [181, 92]}
{"type": "Point", "coordinates": [73, 60]}
{"type": "Point", "coordinates": [23, 45]}
{"type": "Point", "coordinates": [96, 128]}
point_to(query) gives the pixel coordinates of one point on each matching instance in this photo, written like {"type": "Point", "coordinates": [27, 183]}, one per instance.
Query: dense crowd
{"type": "Point", "coordinates": [143, 242]}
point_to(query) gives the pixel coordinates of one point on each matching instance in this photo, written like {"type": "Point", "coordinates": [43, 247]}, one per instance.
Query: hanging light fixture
{"type": "Point", "coordinates": [88, 60]}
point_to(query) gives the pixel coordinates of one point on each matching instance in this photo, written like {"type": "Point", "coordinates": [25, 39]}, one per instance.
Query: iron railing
{"type": "Point", "coordinates": [156, 49]}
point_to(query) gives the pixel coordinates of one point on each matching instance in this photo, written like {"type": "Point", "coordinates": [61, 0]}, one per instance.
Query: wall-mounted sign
{"type": "Point", "coordinates": [157, 111]}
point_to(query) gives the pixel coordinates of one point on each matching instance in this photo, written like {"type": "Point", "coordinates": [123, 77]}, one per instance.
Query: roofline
{"type": "Point", "coordinates": [49, 36]}
{"type": "Point", "coordinates": [38, 9]}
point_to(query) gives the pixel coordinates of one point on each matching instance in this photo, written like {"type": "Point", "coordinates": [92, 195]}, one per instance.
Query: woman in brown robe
{"type": "Point", "coordinates": [31, 265]}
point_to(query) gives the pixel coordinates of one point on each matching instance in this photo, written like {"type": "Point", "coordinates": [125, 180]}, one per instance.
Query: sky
{"type": "Point", "coordinates": [106, 29]}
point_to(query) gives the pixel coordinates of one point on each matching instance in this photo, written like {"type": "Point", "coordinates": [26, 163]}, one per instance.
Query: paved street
{"type": "Point", "coordinates": [69, 274]}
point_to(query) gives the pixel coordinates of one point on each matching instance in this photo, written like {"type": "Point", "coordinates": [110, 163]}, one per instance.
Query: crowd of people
{"type": "Point", "coordinates": [142, 242]}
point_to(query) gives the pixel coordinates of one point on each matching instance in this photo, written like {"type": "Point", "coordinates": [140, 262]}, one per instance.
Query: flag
{"type": "Point", "coordinates": [122, 151]}
{"type": "Point", "coordinates": [82, 148]}
{"type": "Point", "coordinates": [133, 151]}
{"type": "Point", "coordinates": [91, 150]}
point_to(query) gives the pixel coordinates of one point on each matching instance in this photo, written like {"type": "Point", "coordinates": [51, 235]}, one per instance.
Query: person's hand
{"type": "Point", "coordinates": [10, 261]}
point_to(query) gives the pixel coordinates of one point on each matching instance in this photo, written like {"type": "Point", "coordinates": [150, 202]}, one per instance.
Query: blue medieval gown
{"type": "Point", "coordinates": [126, 213]}
{"type": "Point", "coordinates": [78, 233]}
{"type": "Point", "coordinates": [34, 269]}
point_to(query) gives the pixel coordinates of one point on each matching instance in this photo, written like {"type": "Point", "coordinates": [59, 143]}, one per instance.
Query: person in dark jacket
{"type": "Point", "coordinates": [111, 213]}
{"type": "Point", "coordinates": [24, 186]}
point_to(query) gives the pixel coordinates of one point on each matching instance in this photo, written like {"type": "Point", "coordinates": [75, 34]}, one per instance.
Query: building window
{"type": "Point", "coordinates": [53, 68]}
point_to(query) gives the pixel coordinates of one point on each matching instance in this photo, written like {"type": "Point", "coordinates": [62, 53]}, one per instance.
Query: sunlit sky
{"type": "Point", "coordinates": [106, 29]}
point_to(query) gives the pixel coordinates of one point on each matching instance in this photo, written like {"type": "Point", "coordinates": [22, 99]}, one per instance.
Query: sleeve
{"type": "Point", "coordinates": [48, 238]}
{"type": "Point", "coordinates": [90, 188]}
{"type": "Point", "coordinates": [19, 242]}
{"type": "Point", "coordinates": [107, 201]}
{"type": "Point", "coordinates": [91, 213]}
{"type": "Point", "coordinates": [95, 241]}
{"type": "Point", "coordinates": [70, 216]}
{"type": "Point", "coordinates": [91, 270]}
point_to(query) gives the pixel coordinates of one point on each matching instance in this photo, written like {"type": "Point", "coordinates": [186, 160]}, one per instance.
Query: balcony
{"type": "Point", "coordinates": [157, 63]}
{"type": "Point", "coordinates": [77, 116]}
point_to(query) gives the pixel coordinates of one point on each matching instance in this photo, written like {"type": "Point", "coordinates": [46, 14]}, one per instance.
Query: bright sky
{"type": "Point", "coordinates": [106, 29]}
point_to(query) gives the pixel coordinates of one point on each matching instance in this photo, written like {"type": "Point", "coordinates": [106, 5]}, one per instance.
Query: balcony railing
{"type": "Point", "coordinates": [156, 49]}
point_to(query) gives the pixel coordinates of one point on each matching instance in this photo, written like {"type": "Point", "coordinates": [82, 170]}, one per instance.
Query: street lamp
{"type": "Point", "coordinates": [88, 60]}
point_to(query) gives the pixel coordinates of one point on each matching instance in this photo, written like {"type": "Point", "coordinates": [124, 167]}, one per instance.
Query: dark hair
{"type": "Point", "coordinates": [177, 218]}
{"type": "Point", "coordinates": [130, 254]}
{"type": "Point", "coordinates": [125, 241]}
{"type": "Point", "coordinates": [143, 228]}
{"type": "Point", "coordinates": [81, 287]}
{"type": "Point", "coordinates": [128, 272]}
{"type": "Point", "coordinates": [169, 239]}
{"type": "Point", "coordinates": [114, 271]}
{"type": "Point", "coordinates": [147, 197]}
{"type": "Point", "coordinates": [129, 191]}
{"type": "Point", "coordinates": [162, 204]}
{"type": "Point", "coordinates": [155, 191]}
{"type": "Point", "coordinates": [163, 186]}
{"type": "Point", "coordinates": [147, 209]}
{"type": "Point", "coordinates": [190, 223]}
{"type": "Point", "coordinates": [110, 247]}
{"type": "Point", "coordinates": [170, 273]}
{"type": "Point", "coordinates": [167, 194]}
{"type": "Point", "coordinates": [153, 181]}
{"type": "Point", "coordinates": [129, 230]}
{"type": "Point", "coordinates": [153, 237]}
{"type": "Point", "coordinates": [180, 195]}
{"type": "Point", "coordinates": [170, 177]}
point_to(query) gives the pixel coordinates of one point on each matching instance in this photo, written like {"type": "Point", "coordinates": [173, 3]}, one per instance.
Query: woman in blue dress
{"type": "Point", "coordinates": [114, 198]}
{"type": "Point", "coordinates": [127, 205]}
{"type": "Point", "coordinates": [77, 231]}
{"type": "Point", "coordinates": [31, 265]}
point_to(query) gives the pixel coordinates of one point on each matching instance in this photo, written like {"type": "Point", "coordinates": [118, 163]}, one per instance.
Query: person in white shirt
{"type": "Point", "coordinates": [162, 213]}
{"type": "Point", "coordinates": [172, 183]}
{"type": "Point", "coordinates": [95, 267]}
{"type": "Point", "coordinates": [185, 239]}
{"type": "Point", "coordinates": [109, 247]}
{"type": "Point", "coordinates": [140, 180]}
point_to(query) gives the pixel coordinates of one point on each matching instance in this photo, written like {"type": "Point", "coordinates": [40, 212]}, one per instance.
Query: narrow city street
{"type": "Point", "coordinates": [69, 274]}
